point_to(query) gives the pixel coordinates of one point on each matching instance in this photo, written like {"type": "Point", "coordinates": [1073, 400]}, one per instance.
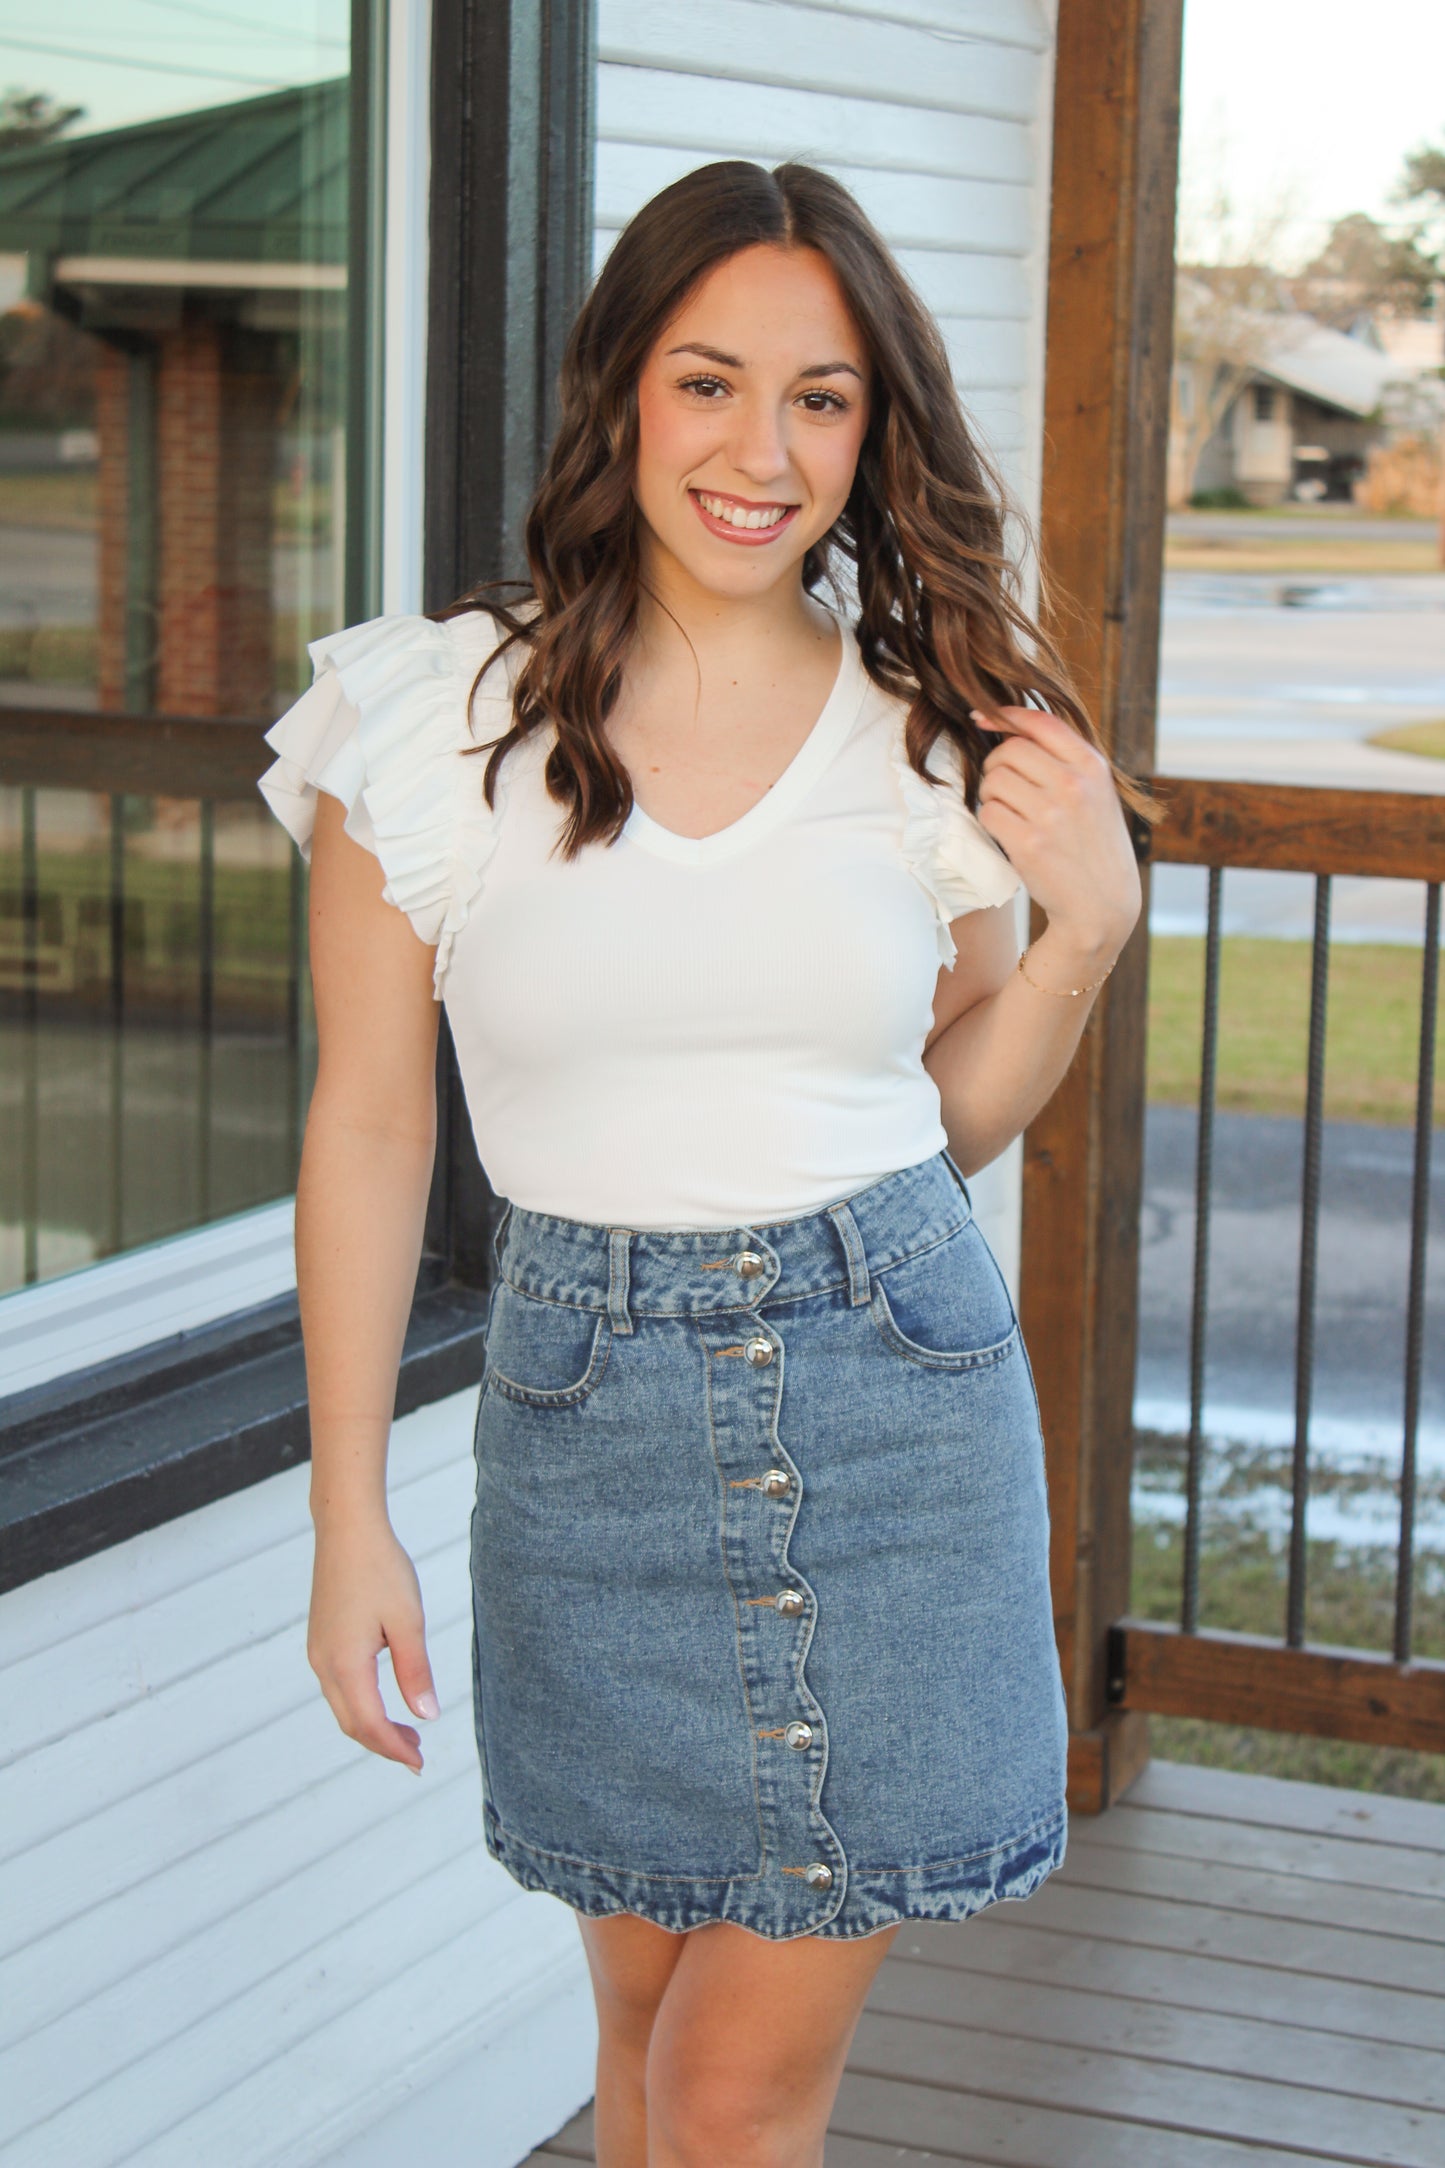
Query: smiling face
{"type": "Point", "coordinates": [752, 409]}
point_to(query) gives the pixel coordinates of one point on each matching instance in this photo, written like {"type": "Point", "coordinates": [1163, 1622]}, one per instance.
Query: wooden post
{"type": "Point", "coordinates": [511, 243]}
{"type": "Point", "coordinates": [1106, 417]}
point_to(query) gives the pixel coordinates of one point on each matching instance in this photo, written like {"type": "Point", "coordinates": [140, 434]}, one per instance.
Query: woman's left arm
{"type": "Point", "coordinates": [1000, 1046]}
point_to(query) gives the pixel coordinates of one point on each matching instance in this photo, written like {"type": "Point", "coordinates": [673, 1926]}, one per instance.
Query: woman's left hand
{"type": "Point", "coordinates": [1049, 798]}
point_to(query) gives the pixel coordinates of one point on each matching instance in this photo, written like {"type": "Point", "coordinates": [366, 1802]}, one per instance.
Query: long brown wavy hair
{"type": "Point", "coordinates": [940, 621]}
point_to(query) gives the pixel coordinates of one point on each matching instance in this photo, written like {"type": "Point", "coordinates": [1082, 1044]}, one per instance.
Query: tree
{"type": "Point", "coordinates": [1230, 305]}
{"type": "Point", "coordinates": [33, 116]}
{"type": "Point", "coordinates": [1363, 268]}
{"type": "Point", "coordinates": [1423, 180]}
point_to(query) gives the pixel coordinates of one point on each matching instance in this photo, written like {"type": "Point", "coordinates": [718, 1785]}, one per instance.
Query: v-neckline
{"type": "Point", "coordinates": [826, 737]}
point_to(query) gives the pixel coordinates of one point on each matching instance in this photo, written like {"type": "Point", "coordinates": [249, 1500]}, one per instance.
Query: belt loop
{"type": "Point", "coordinates": [619, 1248]}
{"type": "Point", "coordinates": [499, 1234]}
{"type": "Point", "coordinates": [859, 1290]}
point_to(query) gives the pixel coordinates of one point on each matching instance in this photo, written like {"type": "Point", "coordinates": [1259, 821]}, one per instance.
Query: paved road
{"type": "Point", "coordinates": [1254, 1277]}
{"type": "Point", "coordinates": [1255, 687]}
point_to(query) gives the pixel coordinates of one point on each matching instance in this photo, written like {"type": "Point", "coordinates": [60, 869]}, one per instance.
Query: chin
{"type": "Point", "coordinates": [751, 574]}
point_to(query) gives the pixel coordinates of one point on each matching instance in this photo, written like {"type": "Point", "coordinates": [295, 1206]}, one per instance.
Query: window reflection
{"type": "Point", "coordinates": [174, 378]}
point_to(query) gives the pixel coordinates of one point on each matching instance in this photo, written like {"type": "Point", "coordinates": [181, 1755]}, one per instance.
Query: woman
{"type": "Point", "coordinates": [718, 889]}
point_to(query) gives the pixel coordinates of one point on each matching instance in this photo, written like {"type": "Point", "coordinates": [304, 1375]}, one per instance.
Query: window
{"type": "Point", "coordinates": [184, 503]}
{"type": "Point", "coordinates": [1264, 401]}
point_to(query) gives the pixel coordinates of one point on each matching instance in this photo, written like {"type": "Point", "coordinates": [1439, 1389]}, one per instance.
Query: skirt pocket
{"type": "Point", "coordinates": [948, 1307]}
{"type": "Point", "coordinates": [545, 1354]}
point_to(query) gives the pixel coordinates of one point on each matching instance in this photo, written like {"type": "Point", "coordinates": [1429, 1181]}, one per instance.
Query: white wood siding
{"type": "Point", "coordinates": [936, 114]}
{"type": "Point", "coordinates": [229, 1935]}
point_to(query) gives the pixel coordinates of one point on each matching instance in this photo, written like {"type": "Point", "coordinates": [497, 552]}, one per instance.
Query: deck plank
{"type": "Point", "coordinates": [1263, 1893]}
{"type": "Point", "coordinates": [1181, 1977]}
{"type": "Point", "coordinates": [1082, 2017]}
{"type": "Point", "coordinates": [1177, 2097]}
{"type": "Point", "coordinates": [1406, 1868]}
{"type": "Point", "coordinates": [1283, 1803]}
{"type": "Point", "coordinates": [1023, 2134]}
{"type": "Point", "coordinates": [1227, 1972]}
{"type": "Point", "coordinates": [1283, 1946]}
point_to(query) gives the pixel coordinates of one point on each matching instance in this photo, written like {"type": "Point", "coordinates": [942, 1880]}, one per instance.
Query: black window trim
{"type": "Point", "coordinates": [97, 1456]}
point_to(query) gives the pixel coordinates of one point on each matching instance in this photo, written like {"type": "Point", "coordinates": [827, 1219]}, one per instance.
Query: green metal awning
{"type": "Point", "coordinates": [251, 194]}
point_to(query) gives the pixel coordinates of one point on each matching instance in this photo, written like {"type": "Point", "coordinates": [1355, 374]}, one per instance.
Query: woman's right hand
{"type": "Point", "coordinates": [365, 1597]}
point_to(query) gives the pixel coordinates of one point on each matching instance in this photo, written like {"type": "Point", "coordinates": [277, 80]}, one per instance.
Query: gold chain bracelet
{"type": "Point", "coordinates": [1063, 992]}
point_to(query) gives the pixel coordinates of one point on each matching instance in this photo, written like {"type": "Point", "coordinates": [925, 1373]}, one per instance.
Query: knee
{"type": "Point", "coordinates": [700, 2119]}
{"type": "Point", "coordinates": [625, 2018]}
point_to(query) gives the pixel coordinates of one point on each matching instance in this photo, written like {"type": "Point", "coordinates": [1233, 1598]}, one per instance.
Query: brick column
{"type": "Point", "coordinates": [112, 401]}
{"type": "Point", "coordinates": [215, 455]}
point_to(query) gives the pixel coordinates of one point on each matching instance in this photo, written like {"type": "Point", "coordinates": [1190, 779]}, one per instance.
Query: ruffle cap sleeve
{"type": "Point", "coordinates": [946, 845]}
{"type": "Point", "coordinates": [382, 728]}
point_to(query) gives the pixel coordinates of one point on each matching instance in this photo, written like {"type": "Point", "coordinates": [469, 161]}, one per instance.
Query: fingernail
{"type": "Point", "coordinates": [426, 1704]}
{"type": "Point", "coordinates": [977, 715]}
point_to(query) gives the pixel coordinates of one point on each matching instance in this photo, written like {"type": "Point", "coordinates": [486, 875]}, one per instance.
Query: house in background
{"type": "Point", "coordinates": [1273, 405]}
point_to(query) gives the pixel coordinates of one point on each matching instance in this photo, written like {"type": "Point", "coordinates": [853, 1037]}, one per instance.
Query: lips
{"type": "Point", "coordinates": [748, 537]}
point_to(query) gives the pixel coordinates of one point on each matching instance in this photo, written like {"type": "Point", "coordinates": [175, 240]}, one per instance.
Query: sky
{"type": "Point", "coordinates": [1306, 107]}
{"type": "Point", "coordinates": [131, 60]}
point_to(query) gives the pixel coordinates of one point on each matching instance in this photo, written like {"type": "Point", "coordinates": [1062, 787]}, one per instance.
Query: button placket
{"type": "Point", "coordinates": [802, 1846]}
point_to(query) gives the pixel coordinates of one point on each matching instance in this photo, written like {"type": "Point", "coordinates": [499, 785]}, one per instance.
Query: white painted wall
{"type": "Point", "coordinates": [229, 1935]}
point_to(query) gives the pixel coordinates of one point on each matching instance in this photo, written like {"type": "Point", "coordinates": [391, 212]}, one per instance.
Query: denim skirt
{"type": "Point", "coordinates": [762, 1620]}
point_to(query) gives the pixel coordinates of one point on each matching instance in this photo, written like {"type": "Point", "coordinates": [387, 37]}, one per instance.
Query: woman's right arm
{"type": "Point", "coordinates": [361, 1195]}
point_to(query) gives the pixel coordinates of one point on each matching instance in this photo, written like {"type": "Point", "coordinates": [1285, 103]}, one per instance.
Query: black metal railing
{"type": "Point", "coordinates": [153, 982]}
{"type": "Point", "coordinates": [1285, 1684]}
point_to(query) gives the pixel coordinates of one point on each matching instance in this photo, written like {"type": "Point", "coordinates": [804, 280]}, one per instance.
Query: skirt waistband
{"type": "Point", "coordinates": [633, 1273]}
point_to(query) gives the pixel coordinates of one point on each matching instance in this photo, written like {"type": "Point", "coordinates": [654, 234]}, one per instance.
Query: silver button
{"type": "Point", "coordinates": [747, 1264]}
{"type": "Point", "coordinates": [819, 1875]}
{"type": "Point", "coordinates": [789, 1601]}
{"type": "Point", "coordinates": [798, 1736]}
{"type": "Point", "coordinates": [776, 1483]}
{"type": "Point", "coordinates": [759, 1353]}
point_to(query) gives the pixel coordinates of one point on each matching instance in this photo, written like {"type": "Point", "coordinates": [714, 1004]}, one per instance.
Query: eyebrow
{"type": "Point", "coordinates": [731, 361]}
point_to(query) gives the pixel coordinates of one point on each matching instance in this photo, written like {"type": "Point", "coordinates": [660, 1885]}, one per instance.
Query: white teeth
{"type": "Point", "coordinates": [736, 515]}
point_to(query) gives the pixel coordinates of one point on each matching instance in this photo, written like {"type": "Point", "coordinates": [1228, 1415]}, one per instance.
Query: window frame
{"type": "Point", "coordinates": [101, 1454]}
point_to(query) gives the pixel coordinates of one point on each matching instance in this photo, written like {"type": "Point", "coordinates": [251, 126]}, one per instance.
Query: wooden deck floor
{"type": "Point", "coordinates": [1226, 1971]}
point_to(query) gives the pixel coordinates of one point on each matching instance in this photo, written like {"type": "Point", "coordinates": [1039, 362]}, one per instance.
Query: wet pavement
{"type": "Point", "coordinates": [1357, 1406]}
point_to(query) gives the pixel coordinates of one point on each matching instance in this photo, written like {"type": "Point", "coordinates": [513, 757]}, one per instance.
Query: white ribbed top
{"type": "Point", "coordinates": [669, 1031]}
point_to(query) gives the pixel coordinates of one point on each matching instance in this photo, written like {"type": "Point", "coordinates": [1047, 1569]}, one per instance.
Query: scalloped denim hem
{"type": "Point", "coordinates": [781, 1908]}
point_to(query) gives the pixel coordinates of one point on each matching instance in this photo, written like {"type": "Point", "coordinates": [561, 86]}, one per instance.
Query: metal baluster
{"type": "Point", "coordinates": [116, 1241]}
{"type": "Point", "coordinates": [1203, 1200]}
{"type": "Point", "coordinates": [1415, 1302]}
{"type": "Point", "coordinates": [207, 1005]}
{"type": "Point", "coordinates": [30, 1025]}
{"type": "Point", "coordinates": [1308, 1261]}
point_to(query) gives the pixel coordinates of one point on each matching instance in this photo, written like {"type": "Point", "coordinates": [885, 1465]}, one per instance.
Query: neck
{"type": "Point", "coordinates": [672, 601]}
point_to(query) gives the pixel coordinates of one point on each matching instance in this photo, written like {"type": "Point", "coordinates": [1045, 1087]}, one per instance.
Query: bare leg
{"type": "Point", "coordinates": [631, 1962]}
{"type": "Point", "coordinates": [749, 2046]}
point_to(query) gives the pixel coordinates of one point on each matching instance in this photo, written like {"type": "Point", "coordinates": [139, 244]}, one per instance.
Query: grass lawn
{"type": "Point", "coordinates": [1351, 1598]}
{"type": "Point", "coordinates": [1372, 1033]}
{"type": "Point", "coordinates": [1427, 738]}
{"type": "Point", "coordinates": [1299, 553]}
{"type": "Point", "coordinates": [66, 655]}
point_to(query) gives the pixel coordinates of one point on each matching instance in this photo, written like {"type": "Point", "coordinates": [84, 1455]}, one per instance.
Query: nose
{"type": "Point", "coordinates": [759, 446]}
